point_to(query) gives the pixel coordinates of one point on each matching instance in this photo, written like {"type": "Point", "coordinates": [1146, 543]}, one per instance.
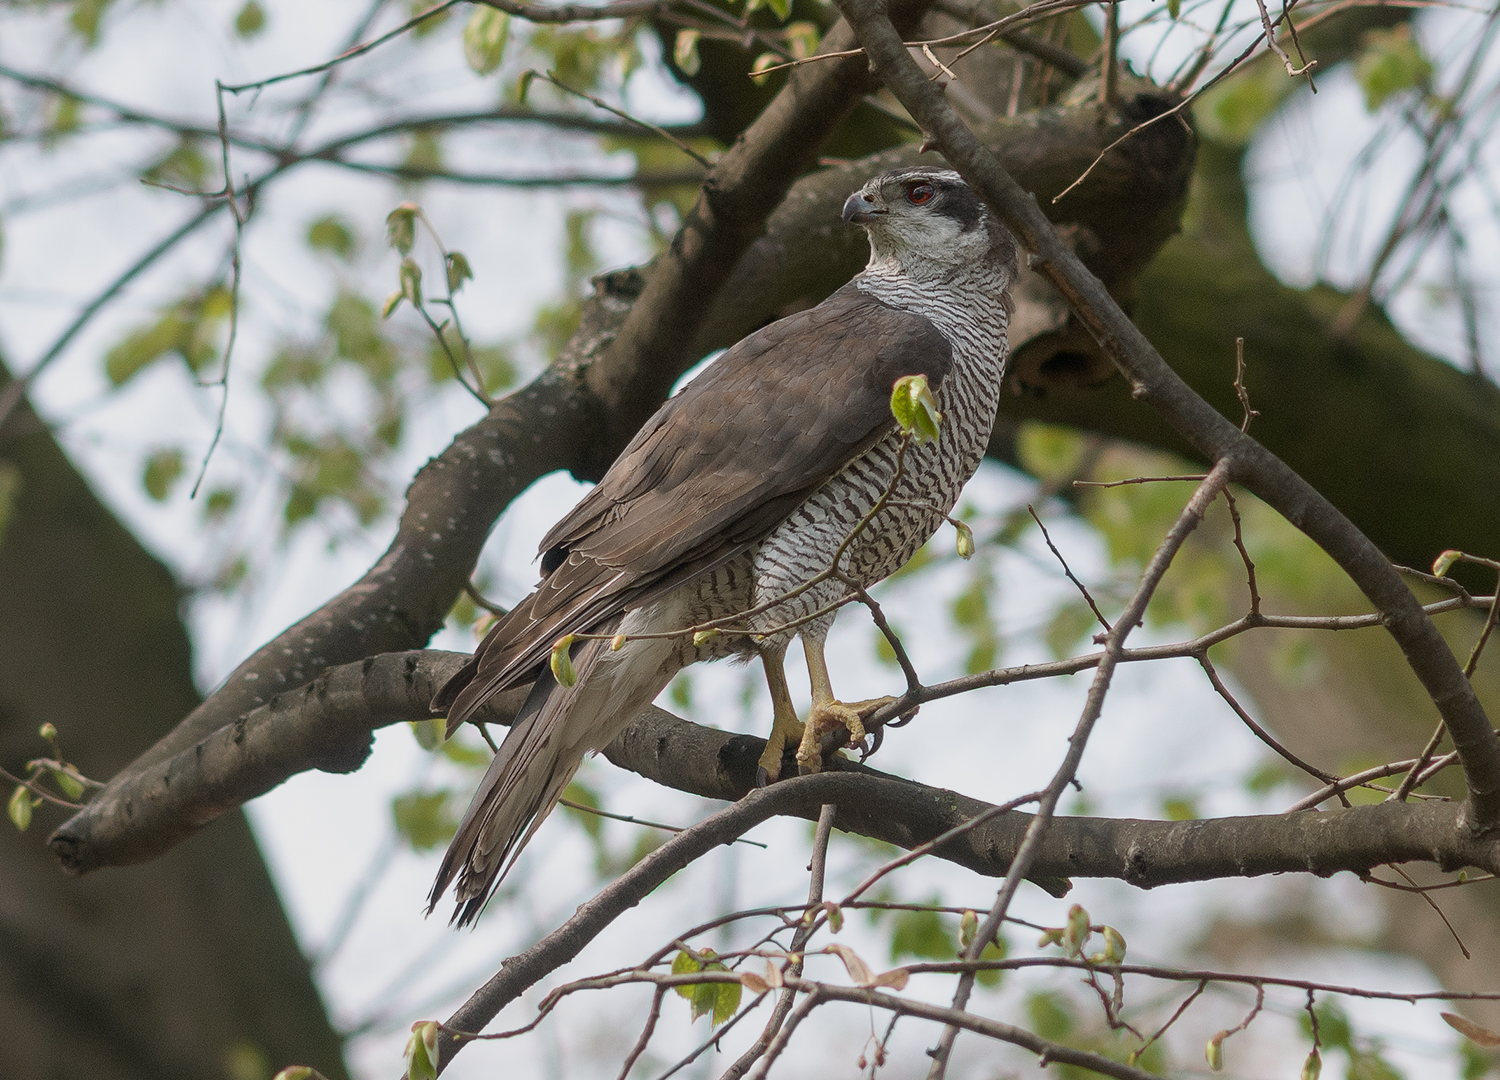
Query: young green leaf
{"type": "Point", "coordinates": [401, 227]}
{"type": "Point", "coordinates": [20, 808]}
{"type": "Point", "coordinates": [727, 1002]}
{"type": "Point", "coordinates": [423, 819]}
{"type": "Point", "coordinates": [422, 1051]}
{"type": "Point", "coordinates": [523, 85]}
{"type": "Point", "coordinates": [1444, 562]}
{"type": "Point", "coordinates": [392, 302]}
{"type": "Point", "coordinates": [686, 963]}
{"type": "Point", "coordinates": [685, 52]}
{"type": "Point", "coordinates": [162, 470]}
{"type": "Point", "coordinates": [251, 20]}
{"type": "Point", "coordinates": [802, 39]}
{"type": "Point", "coordinates": [485, 37]}
{"type": "Point", "coordinates": [411, 281]}
{"type": "Point", "coordinates": [915, 410]}
{"type": "Point", "coordinates": [332, 234]}
{"type": "Point", "coordinates": [1393, 61]}
{"type": "Point", "coordinates": [1114, 948]}
{"type": "Point", "coordinates": [458, 270]}
{"type": "Point", "coordinates": [968, 927]}
{"type": "Point", "coordinates": [1076, 933]}
{"type": "Point", "coordinates": [762, 62]}
{"type": "Point", "coordinates": [67, 783]}
{"type": "Point", "coordinates": [562, 661]}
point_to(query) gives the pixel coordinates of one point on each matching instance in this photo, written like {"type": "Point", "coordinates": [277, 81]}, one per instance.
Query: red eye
{"type": "Point", "coordinates": [917, 194]}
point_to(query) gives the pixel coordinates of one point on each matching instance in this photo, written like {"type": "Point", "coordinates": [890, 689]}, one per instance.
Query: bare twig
{"type": "Point", "coordinates": [817, 868]}
{"type": "Point", "coordinates": [1239, 384]}
{"type": "Point", "coordinates": [1067, 570]}
{"type": "Point", "coordinates": [655, 129]}
{"type": "Point", "coordinates": [583, 808]}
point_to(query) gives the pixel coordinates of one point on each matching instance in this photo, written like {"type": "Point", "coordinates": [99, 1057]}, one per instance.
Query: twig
{"type": "Point", "coordinates": [1271, 43]}
{"type": "Point", "coordinates": [640, 1044]}
{"type": "Point", "coordinates": [1195, 477]}
{"type": "Point", "coordinates": [1109, 84]}
{"type": "Point", "coordinates": [1360, 779]}
{"type": "Point", "coordinates": [473, 593]}
{"type": "Point", "coordinates": [817, 868]}
{"type": "Point", "coordinates": [1239, 543]}
{"type": "Point", "coordinates": [597, 812]}
{"type": "Point", "coordinates": [784, 1036]}
{"type": "Point", "coordinates": [1409, 781]}
{"type": "Point", "coordinates": [655, 129]}
{"type": "Point", "coordinates": [1433, 904]}
{"type": "Point", "coordinates": [1239, 379]}
{"type": "Point", "coordinates": [1176, 1015]}
{"type": "Point", "coordinates": [936, 842]}
{"type": "Point", "coordinates": [1067, 570]}
{"type": "Point", "coordinates": [1260, 733]}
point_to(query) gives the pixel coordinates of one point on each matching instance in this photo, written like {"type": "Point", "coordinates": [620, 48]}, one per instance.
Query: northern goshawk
{"type": "Point", "coordinates": [740, 489]}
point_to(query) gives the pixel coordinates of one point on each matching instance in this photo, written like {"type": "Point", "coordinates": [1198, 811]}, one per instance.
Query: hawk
{"type": "Point", "coordinates": [739, 490]}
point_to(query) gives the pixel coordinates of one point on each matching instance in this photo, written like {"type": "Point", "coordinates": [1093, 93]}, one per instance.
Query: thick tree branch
{"type": "Point", "coordinates": [1210, 433]}
{"type": "Point", "coordinates": [326, 725]}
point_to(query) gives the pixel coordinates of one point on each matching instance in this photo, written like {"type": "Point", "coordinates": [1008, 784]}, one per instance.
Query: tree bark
{"type": "Point", "coordinates": [150, 973]}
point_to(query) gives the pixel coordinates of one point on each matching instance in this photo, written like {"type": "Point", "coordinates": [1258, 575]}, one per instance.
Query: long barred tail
{"type": "Point", "coordinates": [524, 781]}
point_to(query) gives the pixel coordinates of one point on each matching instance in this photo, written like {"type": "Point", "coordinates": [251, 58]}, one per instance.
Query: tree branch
{"type": "Point", "coordinates": [327, 726]}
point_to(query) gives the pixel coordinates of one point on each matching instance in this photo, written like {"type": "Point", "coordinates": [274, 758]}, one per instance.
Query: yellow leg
{"type": "Point", "coordinates": [828, 713]}
{"type": "Point", "coordinates": [785, 726]}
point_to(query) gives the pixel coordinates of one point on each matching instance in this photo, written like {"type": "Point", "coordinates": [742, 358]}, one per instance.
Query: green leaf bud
{"type": "Point", "coordinates": [1312, 1068]}
{"type": "Point", "coordinates": [1214, 1051]}
{"type": "Point", "coordinates": [965, 540]}
{"type": "Point", "coordinates": [562, 661]}
{"type": "Point", "coordinates": [20, 808]}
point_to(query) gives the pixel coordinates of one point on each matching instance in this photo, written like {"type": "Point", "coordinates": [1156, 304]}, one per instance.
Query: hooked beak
{"type": "Point", "coordinates": [859, 210]}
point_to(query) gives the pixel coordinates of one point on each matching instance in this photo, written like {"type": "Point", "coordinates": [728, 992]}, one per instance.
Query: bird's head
{"type": "Point", "coordinates": [930, 223]}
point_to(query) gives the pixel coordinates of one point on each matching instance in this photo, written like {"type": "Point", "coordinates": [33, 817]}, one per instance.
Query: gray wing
{"type": "Point", "coordinates": [716, 468]}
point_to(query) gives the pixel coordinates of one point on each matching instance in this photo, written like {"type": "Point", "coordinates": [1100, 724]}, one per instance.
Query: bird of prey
{"type": "Point", "coordinates": [741, 488]}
